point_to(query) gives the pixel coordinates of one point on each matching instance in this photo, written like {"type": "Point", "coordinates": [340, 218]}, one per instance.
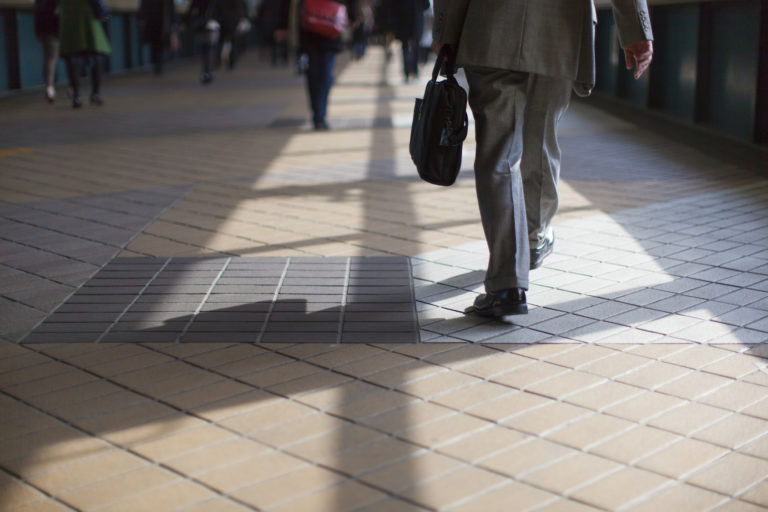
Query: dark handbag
{"type": "Point", "coordinates": [100, 10]}
{"type": "Point", "coordinates": [440, 125]}
{"type": "Point", "coordinates": [324, 17]}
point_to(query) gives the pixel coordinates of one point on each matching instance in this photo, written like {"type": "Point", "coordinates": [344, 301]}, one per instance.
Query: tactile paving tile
{"type": "Point", "coordinates": [250, 300]}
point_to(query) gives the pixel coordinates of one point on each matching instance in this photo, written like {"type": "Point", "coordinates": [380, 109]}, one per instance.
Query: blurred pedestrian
{"type": "Point", "coordinates": [425, 49]}
{"type": "Point", "coordinates": [215, 23]}
{"type": "Point", "coordinates": [270, 18]}
{"type": "Point", "coordinates": [384, 24]}
{"type": "Point", "coordinates": [83, 43]}
{"type": "Point", "coordinates": [200, 18]}
{"type": "Point", "coordinates": [408, 17]}
{"type": "Point", "coordinates": [363, 27]}
{"type": "Point", "coordinates": [230, 14]}
{"type": "Point", "coordinates": [159, 26]}
{"type": "Point", "coordinates": [321, 53]}
{"type": "Point", "coordinates": [47, 32]}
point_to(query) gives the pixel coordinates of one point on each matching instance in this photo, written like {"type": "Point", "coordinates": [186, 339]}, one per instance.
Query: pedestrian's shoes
{"type": "Point", "coordinates": [544, 249]}
{"type": "Point", "coordinates": [499, 304]}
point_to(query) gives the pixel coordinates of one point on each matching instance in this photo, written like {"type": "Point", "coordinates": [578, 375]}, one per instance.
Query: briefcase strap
{"type": "Point", "coordinates": [445, 57]}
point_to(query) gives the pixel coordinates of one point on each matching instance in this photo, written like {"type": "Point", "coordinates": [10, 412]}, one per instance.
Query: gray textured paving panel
{"type": "Point", "coordinates": [49, 248]}
{"type": "Point", "coordinates": [251, 300]}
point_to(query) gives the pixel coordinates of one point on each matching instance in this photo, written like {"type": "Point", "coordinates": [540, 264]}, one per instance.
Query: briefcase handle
{"type": "Point", "coordinates": [445, 63]}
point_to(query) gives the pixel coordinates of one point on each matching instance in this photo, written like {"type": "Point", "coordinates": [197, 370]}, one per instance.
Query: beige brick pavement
{"type": "Point", "coordinates": [637, 382]}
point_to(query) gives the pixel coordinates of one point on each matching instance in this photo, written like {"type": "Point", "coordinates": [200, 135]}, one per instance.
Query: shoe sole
{"type": "Point", "coordinates": [499, 311]}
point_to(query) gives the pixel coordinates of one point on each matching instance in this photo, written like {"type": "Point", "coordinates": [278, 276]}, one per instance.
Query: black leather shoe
{"type": "Point", "coordinates": [499, 304]}
{"type": "Point", "coordinates": [538, 254]}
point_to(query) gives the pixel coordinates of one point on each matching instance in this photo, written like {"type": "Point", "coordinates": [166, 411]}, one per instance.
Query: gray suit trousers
{"type": "Point", "coordinates": [517, 164]}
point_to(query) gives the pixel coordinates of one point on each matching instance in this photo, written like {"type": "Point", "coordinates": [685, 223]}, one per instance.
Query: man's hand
{"type": "Point", "coordinates": [436, 47]}
{"type": "Point", "coordinates": [639, 55]}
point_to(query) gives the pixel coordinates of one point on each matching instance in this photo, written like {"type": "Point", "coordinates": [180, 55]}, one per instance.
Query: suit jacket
{"type": "Point", "coordinates": [547, 37]}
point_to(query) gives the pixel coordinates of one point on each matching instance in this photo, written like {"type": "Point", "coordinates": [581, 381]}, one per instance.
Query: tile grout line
{"type": "Point", "coordinates": [586, 449]}
{"type": "Point", "coordinates": [278, 287]}
{"type": "Point", "coordinates": [415, 310]}
{"type": "Point", "coordinates": [141, 230]}
{"type": "Point", "coordinates": [115, 445]}
{"type": "Point", "coordinates": [134, 301]}
{"type": "Point", "coordinates": [47, 158]}
{"type": "Point", "coordinates": [204, 299]}
{"type": "Point", "coordinates": [42, 491]}
{"type": "Point", "coordinates": [418, 448]}
{"type": "Point", "coordinates": [344, 294]}
{"type": "Point", "coordinates": [64, 233]}
{"type": "Point", "coordinates": [392, 435]}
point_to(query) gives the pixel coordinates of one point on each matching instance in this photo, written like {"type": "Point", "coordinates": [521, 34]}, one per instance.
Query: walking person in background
{"type": "Point", "coordinates": [384, 23]}
{"type": "Point", "coordinates": [321, 52]}
{"type": "Point", "coordinates": [425, 46]}
{"type": "Point", "coordinates": [201, 18]}
{"type": "Point", "coordinates": [519, 89]}
{"type": "Point", "coordinates": [83, 43]}
{"type": "Point", "coordinates": [229, 14]}
{"type": "Point", "coordinates": [408, 18]}
{"type": "Point", "coordinates": [47, 32]}
{"type": "Point", "coordinates": [362, 28]}
{"type": "Point", "coordinates": [158, 25]}
{"type": "Point", "coordinates": [270, 18]}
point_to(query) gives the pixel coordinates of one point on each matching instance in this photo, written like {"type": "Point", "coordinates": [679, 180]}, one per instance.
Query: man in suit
{"type": "Point", "coordinates": [522, 59]}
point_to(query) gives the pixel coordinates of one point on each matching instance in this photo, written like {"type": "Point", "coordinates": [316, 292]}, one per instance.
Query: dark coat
{"type": "Point", "coordinates": [407, 18]}
{"type": "Point", "coordinates": [46, 18]}
{"type": "Point", "coordinates": [158, 19]}
{"type": "Point", "coordinates": [80, 31]}
{"type": "Point", "coordinates": [227, 12]}
{"type": "Point", "coordinates": [273, 14]}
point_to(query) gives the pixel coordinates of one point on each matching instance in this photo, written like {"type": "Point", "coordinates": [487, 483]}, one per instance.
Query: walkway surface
{"type": "Point", "coordinates": [206, 306]}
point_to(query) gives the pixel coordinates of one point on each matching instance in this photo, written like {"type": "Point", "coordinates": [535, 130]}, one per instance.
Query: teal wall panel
{"type": "Point", "coordinates": [30, 51]}
{"type": "Point", "coordinates": [4, 86]}
{"type": "Point", "coordinates": [734, 67]}
{"type": "Point", "coordinates": [21, 54]}
{"type": "Point", "coordinates": [634, 91]}
{"type": "Point", "coordinates": [706, 69]}
{"type": "Point", "coordinates": [145, 54]}
{"type": "Point", "coordinates": [675, 67]}
{"type": "Point", "coordinates": [606, 53]}
{"type": "Point", "coordinates": [117, 40]}
{"type": "Point", "coordinates": [137, 49]}
{"type": "Point", "coordinates": [612, 77]}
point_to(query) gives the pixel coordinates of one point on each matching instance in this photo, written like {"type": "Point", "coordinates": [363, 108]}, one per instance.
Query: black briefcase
{"type": "Point", "coordinates": [440, 125]}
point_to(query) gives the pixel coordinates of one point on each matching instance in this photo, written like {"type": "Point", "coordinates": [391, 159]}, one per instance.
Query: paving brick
{"type": "Point", "coordinates": [50, 337]}
{"type": "Point", "coordinates": [72, 327]}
